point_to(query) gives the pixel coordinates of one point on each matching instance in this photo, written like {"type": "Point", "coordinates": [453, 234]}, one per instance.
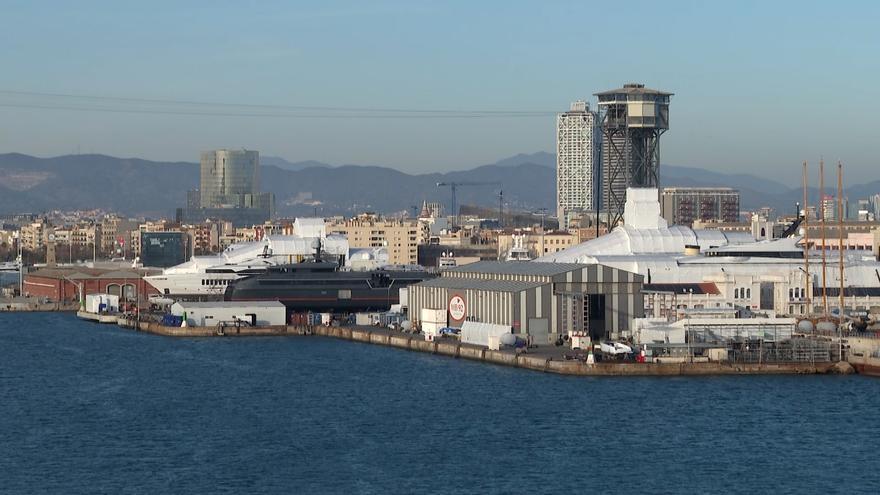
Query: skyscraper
{"type": "Point", "coordinates": [229, 178]}
{"type": "Point", "coordinates": [576, 164]}
{"type": "Point", "coordinates": [633, 118]}
{"type": "Point", "coordinates": [230, 181]}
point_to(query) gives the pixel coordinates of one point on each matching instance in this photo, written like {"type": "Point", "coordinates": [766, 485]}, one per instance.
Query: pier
{"type": "Point", "coordinates": [548, 360]}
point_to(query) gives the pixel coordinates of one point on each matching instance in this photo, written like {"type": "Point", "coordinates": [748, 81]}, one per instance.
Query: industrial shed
{"type": "Point", "coordinates": [210, 314]}
{"type": "Point", "coordinates": [543, 300]}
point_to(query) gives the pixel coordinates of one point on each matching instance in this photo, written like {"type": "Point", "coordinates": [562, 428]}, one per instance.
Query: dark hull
{"type": "Point", "coordinates": [331, 292]}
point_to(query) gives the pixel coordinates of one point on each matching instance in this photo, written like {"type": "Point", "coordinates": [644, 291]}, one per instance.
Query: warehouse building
{"type": "Point", "coordinates": [70, 283]}
{"type": "Point", "coordinates": [542, 300]}
{"type": "Point", "coordinates": [210, 314]}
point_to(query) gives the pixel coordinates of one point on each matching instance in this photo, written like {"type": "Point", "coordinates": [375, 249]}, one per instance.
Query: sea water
{"type": "Point", "coordinates": [86, 408]}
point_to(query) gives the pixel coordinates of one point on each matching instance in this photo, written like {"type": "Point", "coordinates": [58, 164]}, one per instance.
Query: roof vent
{"type": "Point", "coordinates": [633, 85]}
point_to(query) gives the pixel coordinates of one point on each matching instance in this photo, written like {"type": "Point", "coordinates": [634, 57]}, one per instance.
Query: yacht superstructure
{"type": "Point", "coordinates": [208, 276]}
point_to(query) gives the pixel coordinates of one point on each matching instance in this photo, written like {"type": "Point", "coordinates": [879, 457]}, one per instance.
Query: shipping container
{"type": "Point", "coordinates": [314, 319]}
{"type": "Point", "coordinates": [299, 319]}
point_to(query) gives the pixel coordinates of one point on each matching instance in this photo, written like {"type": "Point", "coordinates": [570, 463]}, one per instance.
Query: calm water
{"type": "Point", "coordinates": [88, 408]}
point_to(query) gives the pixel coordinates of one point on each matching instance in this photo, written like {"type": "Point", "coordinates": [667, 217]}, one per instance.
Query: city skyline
{"type": "Point", "coordinates": [756, 85]}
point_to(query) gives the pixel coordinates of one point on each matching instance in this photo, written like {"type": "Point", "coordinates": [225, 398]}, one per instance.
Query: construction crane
{"type": "Point", "coordinates": [455, 185]}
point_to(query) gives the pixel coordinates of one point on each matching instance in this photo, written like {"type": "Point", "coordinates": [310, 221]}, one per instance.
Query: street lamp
{"type": "Point", "coordinates": [543, 213]}
{"type": "Point", "coordinates": [17, 236]}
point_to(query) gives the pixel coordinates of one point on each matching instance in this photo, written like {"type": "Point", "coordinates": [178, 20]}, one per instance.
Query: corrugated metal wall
{"type": "Point", "coordinates": [482, 305]}
{"type": "Point", "coordinates": [622, 290]}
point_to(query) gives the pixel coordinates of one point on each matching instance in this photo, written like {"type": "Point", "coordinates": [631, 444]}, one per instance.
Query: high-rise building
{"type": "Point", "coordinates": [229, 190]}
{"type": "Point", "coordinates": [576, 163]}
{"type": "Point", "coordinates": [229, 177]}
{"type": "Point", "coordinates": [684, 205]}
{"type": "Point", "coordinates": [829, 208]}
{"type": "Point", "coordinates": [633, 118]}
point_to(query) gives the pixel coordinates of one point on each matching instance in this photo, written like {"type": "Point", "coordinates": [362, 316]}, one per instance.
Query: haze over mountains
{"type": "Point", "coordinates": [142, 187]}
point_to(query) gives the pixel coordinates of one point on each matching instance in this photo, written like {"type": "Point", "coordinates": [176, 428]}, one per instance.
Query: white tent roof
{"type": "Point", "coordinates": [310, 227]}
{"type": "Point", "coordinates": [627, 240]}
{"type": "Point", "coordinates": [263, 252]}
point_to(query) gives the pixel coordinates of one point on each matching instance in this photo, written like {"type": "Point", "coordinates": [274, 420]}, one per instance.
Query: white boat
{"type": "Point", "coordinates": [208, 276]}
{"type": "Point", "coordinates": [615, 348]}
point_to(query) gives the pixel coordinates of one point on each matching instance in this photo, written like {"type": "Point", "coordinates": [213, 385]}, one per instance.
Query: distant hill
{"type": "Point", "coordinates": [540, 158]}
{"type": "Point", "coordinates": [141, 187]}
{"type": "Point", "coordinates": [286, 165]}
{"type": "Point", "coordinates": [130, 185]}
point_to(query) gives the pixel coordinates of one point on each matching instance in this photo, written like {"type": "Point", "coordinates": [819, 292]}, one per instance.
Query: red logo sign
{"type": "Point", "coordinates": [457, 308]}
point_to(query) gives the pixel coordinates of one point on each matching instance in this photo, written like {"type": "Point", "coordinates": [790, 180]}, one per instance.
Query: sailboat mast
{"type": "Point", "coordinates": [808, 287]}
{"type": "Point", "coordinates": [822, 228]}
{"type": "Point", "coordinates": [840, 231]}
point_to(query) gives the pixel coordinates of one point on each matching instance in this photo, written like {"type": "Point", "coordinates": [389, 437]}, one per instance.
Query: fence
{"type": "Point", "coordinates": [799, 350]}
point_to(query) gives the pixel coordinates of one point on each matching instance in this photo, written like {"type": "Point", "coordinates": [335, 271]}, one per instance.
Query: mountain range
{"type": "Point", "coordinates": [147, 188]}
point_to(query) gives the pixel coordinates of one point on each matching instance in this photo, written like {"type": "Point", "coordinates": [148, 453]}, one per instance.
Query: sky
{"type": "Point", "coordinates": [759, 86]}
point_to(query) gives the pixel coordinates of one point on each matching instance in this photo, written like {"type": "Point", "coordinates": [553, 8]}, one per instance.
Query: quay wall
{"type": "Point", "coordinates": [455, 349]}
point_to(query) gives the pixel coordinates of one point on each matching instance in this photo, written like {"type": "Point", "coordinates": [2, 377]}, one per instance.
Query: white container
{"type": "Point", "coordinates": [433, 315]}
{"type": "Point", "coordinates": [404, 298]}
{"type": "Point", "coordinates": [478, 333]}
{"type": "Point", "coordinates": [580, 342]}
{"type": "Point", "coordinates": [494, 342]}
{"type": "Point", "coordinates": [98, 303]}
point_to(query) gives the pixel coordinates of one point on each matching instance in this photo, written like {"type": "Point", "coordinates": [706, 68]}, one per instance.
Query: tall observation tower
{"type": "Point", "coordinates": [632, 118]}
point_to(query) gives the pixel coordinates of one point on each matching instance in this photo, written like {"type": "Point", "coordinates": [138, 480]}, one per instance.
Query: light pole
{"type": "Point", "coordinates": [17, 236]}
{"type": "Point", "coordinates": [543, 213]}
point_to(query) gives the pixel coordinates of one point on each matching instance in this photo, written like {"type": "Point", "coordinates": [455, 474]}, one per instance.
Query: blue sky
{"type": "Point", "coordinates": [759, 86]}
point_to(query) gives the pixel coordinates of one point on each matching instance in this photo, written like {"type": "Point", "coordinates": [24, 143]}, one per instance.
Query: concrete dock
{"type": "Point", "coordinates": [536, 361]}
{"type": "Point", "coordinates": [98, 317]}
